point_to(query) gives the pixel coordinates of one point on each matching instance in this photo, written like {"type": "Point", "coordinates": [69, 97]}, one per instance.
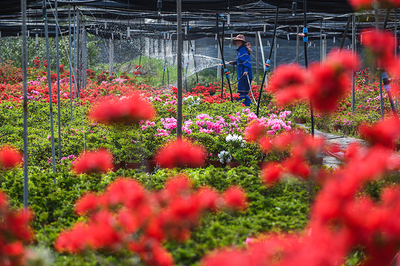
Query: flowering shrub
{"type": "Point", "coordinates": [126, 216]}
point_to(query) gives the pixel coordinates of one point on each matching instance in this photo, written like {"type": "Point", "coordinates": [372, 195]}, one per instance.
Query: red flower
{"type": "Point", "coordinates": [227, 257]}
{"type": "Point", "coordinates": [93, 162]}
{"type": "Point", "coordinates": [271, 173]}
{"type": "Point", "coordinates": [371, 4]}
{"type": "Point", "coordinates": [384, 133]}
{"type": "Point", "coordinates": [298, 167]}
{"type": "Point", "coordinates": [381, 44]}
{"type": "Point", "coordinates": [235, 198]}
{"type": "Point", "coordinates": [330, 82]}
{"type": "Point", "coordinates": [178, 185]}
{"type": "Point", "coordinates": [152, 253]}
{"type": "Point", "coordinates": [288, 83]}
{"type": "Point", "coordinates": [128, 110]}
{"type": "Point", "coordinates": [87, 203]}
{"type": "Point", "coordinates": [181, 153]}
{"type": "Point", "coordinates": [208, 198]}
{"type": "Point", "coordinates": [9, 157]}
{"type": "Point", "coordinates": [124, 191]}
{"type": "Point", "coordinates": [255, 131]}
{"type": "Point", "coordinates": [265, 144]}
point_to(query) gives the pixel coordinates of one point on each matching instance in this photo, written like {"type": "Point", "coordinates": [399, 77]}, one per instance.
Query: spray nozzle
{"type": "Point", "coordinates": [294, 7]}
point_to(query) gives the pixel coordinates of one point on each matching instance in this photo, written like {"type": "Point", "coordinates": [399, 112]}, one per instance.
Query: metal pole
{"type": "Point", "coordinates": [70, 59]}
{"type": "Point", "coordinates": [221, 42]}
{"type": "Point", "coordinates": [395, 31]}
{"type": "Point", "coordinates": [84, 55]}
{"type": "Point", "coordinates": [320, 42]}
{"type": "Point", "coordinates": [223, 64]}
{"type": "Point", "coordinates": [78, 74]}
{"type": "Point", "coordinates": [257, 48]}
{"type": "Point", "coordinates": [297, 44]}
{"type": "Point", "coordinates": [46, 32]}
{"type": "Point", "coordinates": [58, 83]}
{"type": "Point", "coordinates": [75, 56]}
{"type": "Point", "coordinates": [345, 33]}
{"type": "Point", "coordinates": [111, 56]}
{"type": "Point", "coordinates": [353, 44]}
{"type": "Point", "coordinates": [261, 48]}
{"type": "Point", "coordinates": [220, 56]}
{"type": "Point", "coordinates": [194, 58]}
{"type": "Point", "coordinates": [305, 41]}
{"type": "Point", "coordinates": [275, 51]}
{"type": "Point", "coordinates": [25, 101]}
{"type": "Point", "coordinates": [380, 92]}
{"type": "Point", "coordinates": [179, 68]}
{"type": "Point", "coordinates": [379, 70]}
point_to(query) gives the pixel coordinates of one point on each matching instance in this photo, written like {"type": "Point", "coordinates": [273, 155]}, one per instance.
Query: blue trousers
{"type": "Point", "coordinates": [243, 90]}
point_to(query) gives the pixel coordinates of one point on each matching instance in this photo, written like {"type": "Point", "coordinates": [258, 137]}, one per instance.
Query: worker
{"type": "Point", "coordinates": [244, 70]}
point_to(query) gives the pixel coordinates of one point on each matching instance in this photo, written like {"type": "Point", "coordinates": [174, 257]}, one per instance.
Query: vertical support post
{"type": "Point", "coordinates": [219, 71]}
{"type": "Point", "coordinates": [395, 31]}
{"type": "Point", "coordinates": [222, 53]}
{"type": "Point", "coordinates": [257, 61]}
{"type": "Point", "coordinates": [70, 59]}
{"type": "Point", "coordinates": [275, 50]}
{"type": "Point", "coordinates": [25, 101]}
{"type": "Point", "coordinates": [58, 83]}
{"type": "Point", "coordinates": [379, 70]}
{"type": "Point", "coordinates": [75, 56]}
{"type": "Point", "coordinates": [324, 48]}
{"type": "Point", "coordinates": [111, 56]}
{"type": "Point", "coordinates": [353, 45]}
{"type": "Point", "coordinates": [297, 44]}
{"type": "Point", "coordinates": [179, 68]}
{"type": "Point", "coordinates": [194, 58]}
{"type": "Point", "coordinates": [78, 63]}
{"type": "Point", "coordinates": [84, 55]}
{"type": "Point", "coordinates": [320, 42]}
{"type": "Point", "coordinates": [46, 32]}
{"type": "Point", "coordinates": [305, 41]}
{"type": "Point", "coordinates": [381, 92]}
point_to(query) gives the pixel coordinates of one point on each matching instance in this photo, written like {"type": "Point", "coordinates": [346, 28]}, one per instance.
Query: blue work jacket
{"type": "Point", "coordinates": [243, 62]}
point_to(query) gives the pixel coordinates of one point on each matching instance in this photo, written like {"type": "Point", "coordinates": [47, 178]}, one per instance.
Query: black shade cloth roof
{"type": "Point", "coordinates": [338, 6]}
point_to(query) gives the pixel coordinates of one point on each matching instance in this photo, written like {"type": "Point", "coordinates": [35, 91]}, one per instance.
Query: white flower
{"type": "Point", "coordinates": [224, 157]}
{"type": "Point", "coordinates": [233, 137]}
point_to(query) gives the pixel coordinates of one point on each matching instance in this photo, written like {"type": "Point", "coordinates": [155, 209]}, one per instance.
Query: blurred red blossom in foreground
{"type": "Point", "coordinates": [14, 232]}
{"type": "Point", "coordinates": [181, 153]}
{"type": "Point", "coordinates": [254, 131]}
{"type": "Point", "coordinates": [126, 110]}
{"type": "Point", "coordinates": [93, 162]}
{"type": "Point", "coordinates": [10, 157]}
{"type": "Point", "coordinates": [385, 133]}
{"type": "Point", "coordinates": [373, 4]}
{"type": "Point", "coordinates": [127, 209]}
{"type": "Point", "coordinates": [324, 85]}
{"type": "Point", "coordinates": [288, 84]}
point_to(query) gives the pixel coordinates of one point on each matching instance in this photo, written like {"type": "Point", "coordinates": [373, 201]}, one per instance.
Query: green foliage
{"type": "Point", "coordinates": [282, 208]}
